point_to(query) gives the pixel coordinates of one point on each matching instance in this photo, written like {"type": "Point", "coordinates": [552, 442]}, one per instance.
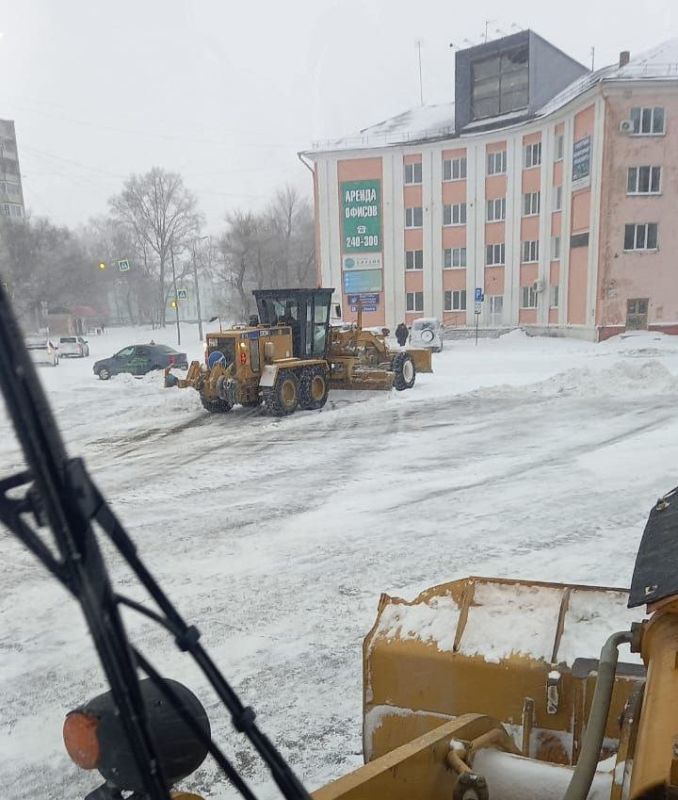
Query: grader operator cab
{"type": "Point", "coordinates": [289, 357]}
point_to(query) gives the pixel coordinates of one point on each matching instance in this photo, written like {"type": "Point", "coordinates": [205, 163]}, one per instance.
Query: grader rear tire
{"type": "Point", "coordinates": [283, 398]}
{"type": "Point", "coordinates": [405, 372]}
{"type": "Point", "coordinates": [313, 388]}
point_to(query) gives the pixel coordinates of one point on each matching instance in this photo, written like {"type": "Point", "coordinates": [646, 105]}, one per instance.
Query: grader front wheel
{"type": "Point", "coordinates": [215, 406]}
{"type": "Point", "coordinates": [405, 372]}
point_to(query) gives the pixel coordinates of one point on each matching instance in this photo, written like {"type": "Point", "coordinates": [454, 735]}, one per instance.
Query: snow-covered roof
{"type": "Point", "coordinates": [423, 122]}
{"type": "Point", "coordinates": [437, 121]}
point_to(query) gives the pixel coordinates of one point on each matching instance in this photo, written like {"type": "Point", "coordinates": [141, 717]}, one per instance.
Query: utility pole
{"type": "Point", "coordinates": [197, 287]}
{"type": "Point", "coordinates": [421, 83]}
{"type": "Point", "coordinates": [176, 298]}
{"type": "Point", "coordinates": [593, 58]}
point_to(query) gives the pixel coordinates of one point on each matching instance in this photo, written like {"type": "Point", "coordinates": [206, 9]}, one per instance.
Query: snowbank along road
{"type": "Point", "coordinates": [532, 458]}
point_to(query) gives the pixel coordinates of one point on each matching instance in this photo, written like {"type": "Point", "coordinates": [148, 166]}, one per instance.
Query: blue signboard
{"type": "Point", "coordinates": [581, 158]}
{"type": "Point", "coordinates": [365, 299]}
{"type": "Point", "coordinates": [368, 302]}
{"type": "Point", "coordinates": [480, 295]}
{"type": "Point", "coordinates": [364, 280]}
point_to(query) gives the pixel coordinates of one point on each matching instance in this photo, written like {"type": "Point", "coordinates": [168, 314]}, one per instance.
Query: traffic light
{"type": "Point", "coordinates": [102, 265]}
{"type": "Point", "coordinates": [173, 303]}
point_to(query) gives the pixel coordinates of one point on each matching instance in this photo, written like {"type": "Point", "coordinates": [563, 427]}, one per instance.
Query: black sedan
{"type": "Point", "coordinates": [139, 359]}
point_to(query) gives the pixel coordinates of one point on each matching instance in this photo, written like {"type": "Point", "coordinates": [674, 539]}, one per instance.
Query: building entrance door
{"type": "Point", "coordinates": [495, 310]}
{"type": "Point", "coordinates": [636, 314]}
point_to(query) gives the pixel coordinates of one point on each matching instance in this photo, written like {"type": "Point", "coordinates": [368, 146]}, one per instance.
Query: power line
{"type": "Point", "coordinates": [152, 134]}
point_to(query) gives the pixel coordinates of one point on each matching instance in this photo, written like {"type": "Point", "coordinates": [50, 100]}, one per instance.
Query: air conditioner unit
{"type": "Point", "coordinates": [539, 285]}
{"type": "Point", "coordinates": [626, 126]}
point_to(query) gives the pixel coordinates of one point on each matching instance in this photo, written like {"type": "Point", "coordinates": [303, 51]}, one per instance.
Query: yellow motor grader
{"type": "Point", "coordinates": [290, 357]}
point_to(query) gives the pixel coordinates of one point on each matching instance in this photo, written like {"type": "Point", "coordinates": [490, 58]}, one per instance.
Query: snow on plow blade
{"type": "Point", "coordinates": [522, 652]}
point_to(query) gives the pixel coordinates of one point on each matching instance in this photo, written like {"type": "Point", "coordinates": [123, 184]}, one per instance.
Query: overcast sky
{"type": "Point", "coordinates": [227, 92]}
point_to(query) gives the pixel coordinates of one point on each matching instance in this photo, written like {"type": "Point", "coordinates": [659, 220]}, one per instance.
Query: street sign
{"type": "Point", "coordinates": [478, 307]}
{"type": "Point", "coordinates": [368, 302]}
{"type": "Point", "coordinates": [182, 294]}
{"type": "Point", "coordinates": [480, 295]}
{"type": "Point", "coordinates": [123, 265]}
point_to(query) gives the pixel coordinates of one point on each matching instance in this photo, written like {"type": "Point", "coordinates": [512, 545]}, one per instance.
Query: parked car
{"type": "Point", "coordinates": [427, 332]}
{"type": "Point", "coordinates": [138, 359]}
{"type": "Point", "coordinates": [73, 347]}
{"type": "Point", "coordinates": [42, 350]}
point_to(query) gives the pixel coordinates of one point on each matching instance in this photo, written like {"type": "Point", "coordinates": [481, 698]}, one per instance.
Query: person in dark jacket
{"type": "Point", "coordinates": [401, 333]}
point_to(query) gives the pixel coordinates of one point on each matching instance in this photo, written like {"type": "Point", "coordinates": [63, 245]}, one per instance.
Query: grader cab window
{"type": "Point", "coordinates": [316, 341]}
{"type": "Point", "coordinates": [307, 313]}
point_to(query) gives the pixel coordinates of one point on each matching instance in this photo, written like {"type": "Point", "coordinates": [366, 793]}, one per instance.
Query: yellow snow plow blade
{"type": "Point", "coordinates": [522, 652]}
{"type": "Point", "coordinates": [422, 360]}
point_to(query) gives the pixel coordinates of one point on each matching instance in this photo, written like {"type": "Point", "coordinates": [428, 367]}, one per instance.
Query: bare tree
{"type": "Point", "coordinates": [238, 247]}
{"type": "Point", "coordinates": [43, 264]}
{"type": "Point", "coordinates": [273, 249]}
{"type": "Point", "coordinates": [163, 215]}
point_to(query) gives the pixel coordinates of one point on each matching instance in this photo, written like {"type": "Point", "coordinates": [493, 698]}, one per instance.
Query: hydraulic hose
{"type": "Point", "coordinates": [595, 727]}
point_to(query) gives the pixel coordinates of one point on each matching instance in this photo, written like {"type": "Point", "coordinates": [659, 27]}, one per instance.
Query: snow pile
{"type": "Point", "coordinates": [496, 625]}
{"type": "Point", "coordinates": [434, 622]}
{"type": "Point", "coordinates": [590, 619]}
{"type": "Point", "coordinates": [622, 378]}
{"type": "Point", "coordinates": [515, 619]}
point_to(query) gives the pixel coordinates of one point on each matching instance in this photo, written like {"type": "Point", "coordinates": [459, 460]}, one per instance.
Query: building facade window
{"type": "Point", "coordinates": [499, 84]}
{"type": "Point", "coordinates": [414, 301]}
{"type": "Point", "coordinates": [557, 198]}
{"type": "Point", "coordinates": [454, 214]}
{"type": "Point", "coordinates": [640, 236]}
{"type": "Point", "coordinates": [495, 307]}
{"type": "Point", "coordinates": [648, 121]}
{"type": "Point", "coordinates": [413, 173]}
{"type": "Point", "coordinates": [454, 169]}
{"type": "Point", "coordinates": [496, 163]}
{"type": "Point", "coordinates": [414, 217]}
{"type": "Point", "coordinates": [528, 297]}
{"type": "Point", "coordinates": [643, 180]}
{"type": "Point", "coordinates": [555, 248]}
{"type": "Point", "coordinates": [531, 203]}
{"type": "Point", "coordinates": [454, 257]}
{"type": "Point", "coordinates": [560, 147]}
{"type": "Point", "coordinates": [11, 210]}
{"type": "Point", "coordinates": [530, 251]}
{"type": "Point", "coordinates": [555, 296]}
{"type": "Point", "coordinates": [495, 255]}
{"type": "Point", "coordinates": [455, 300]}
{"type": "Point", "coordinates": [414, 259]}
{"type": "Point", "coordinates": [496, 209]}
{"type": "Point", "coordinates": [532, 155]}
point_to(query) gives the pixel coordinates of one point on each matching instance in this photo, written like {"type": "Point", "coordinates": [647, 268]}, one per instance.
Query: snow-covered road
{"type": "Point", "coordinates": [532, 458]}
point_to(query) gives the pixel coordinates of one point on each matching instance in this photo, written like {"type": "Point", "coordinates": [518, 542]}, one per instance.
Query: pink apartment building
{"type": "Point", "coordinates": [550, 189]}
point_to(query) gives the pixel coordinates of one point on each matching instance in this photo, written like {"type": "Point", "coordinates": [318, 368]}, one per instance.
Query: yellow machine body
{"type": "Point", "coordinates": [294, 357]}
{"type": "Point", "coordinates": [496, 677]}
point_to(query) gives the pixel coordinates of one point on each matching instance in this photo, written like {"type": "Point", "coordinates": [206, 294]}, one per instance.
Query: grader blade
{"type": "Point", "coordinates": [422, 360]}
{"type": "Point", "coordinates": [523, 652]}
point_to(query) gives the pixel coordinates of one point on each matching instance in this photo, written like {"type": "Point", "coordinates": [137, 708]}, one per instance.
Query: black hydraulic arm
{"type": "Point", "coordinates": [55, 492]}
